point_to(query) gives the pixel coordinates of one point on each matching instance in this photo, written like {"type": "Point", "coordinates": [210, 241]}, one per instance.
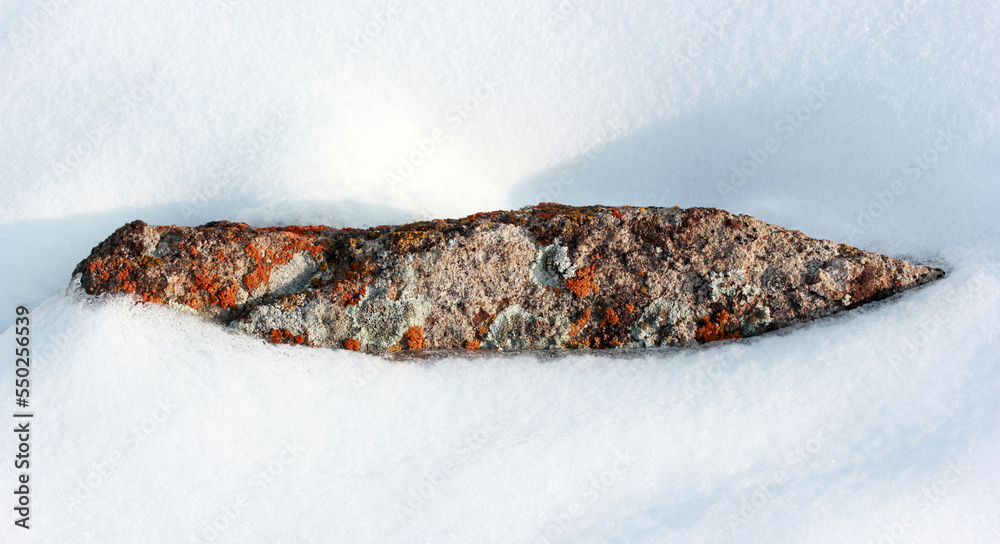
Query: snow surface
{"type": "Point", "coordinates": [875, 124]}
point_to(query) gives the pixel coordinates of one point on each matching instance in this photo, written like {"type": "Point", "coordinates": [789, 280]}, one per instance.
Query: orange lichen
{"type": "Point", "coordinates": [610, 318]}
{"type": "Point", "coordinates": [849, 251]}
{"type": "Point", "coordinates": [582, 283]}
{"type": "Point", "coordinates": [146, 297]}
{"type": "Point", "coordinates": [351, 298]}
{"type": "Point", "coordinates": [415, 337]}
{"type": "Point", "coordinates": [714, 327]}
{"type": "Point", "coordinates": [285, 336]}
{"type": "Point", "coordinates": [491, 216]}
{"type": "Point", "coordinates": [302, 230]}
{"type": "Point", "coordinates": [227, 296]}
{"type": "Point", "coordinates": [203, 282]}
{"type": "Point", "coordinates": [254, 279]}
{"type": "Point", "coordinates": [575, 326]}
{"type": "Point", "coordinates": [252, 252]}
{"type": "Point", "coordinates": [352, 344]}
{"type": "Point", "coordinates": [630, 308]}
{"type": "Point", "coordinates": [473, 344]}
{"type": "Point", "coordinates": [224, 224]}
{"type": "Point", "coordinates": [615, 213]}
{"type": "Point", "coordinates": [208, 280]}
{"type": "Point", "coordinates": [116, 271]}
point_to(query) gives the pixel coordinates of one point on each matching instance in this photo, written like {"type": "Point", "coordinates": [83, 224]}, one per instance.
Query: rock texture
{"type": "Point", "coordinates": [545, 277]}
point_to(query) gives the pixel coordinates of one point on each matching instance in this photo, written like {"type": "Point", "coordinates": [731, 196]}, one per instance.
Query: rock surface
{"type": "Point", "coordinates": [545, 277]}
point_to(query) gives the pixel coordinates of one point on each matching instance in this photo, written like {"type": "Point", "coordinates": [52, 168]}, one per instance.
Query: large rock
{"type": "Point", "coordinates": [546, 277]}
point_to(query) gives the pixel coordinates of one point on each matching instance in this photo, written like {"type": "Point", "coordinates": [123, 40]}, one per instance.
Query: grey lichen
{"type": "Point", "coordinates": [756, 321]}
{"type": "Point", "coordinates": [381, 321]}
{"type": "Point", "coordinates": [386, 311]}
{"type": "Point", "coordinates": [552, 266]}
{"type": "Point", "coordinates": [664, 319]}
{"type": "Point", "coordinates": [727, 284]}
{"type": "Point", "coordinates": [515, 328]}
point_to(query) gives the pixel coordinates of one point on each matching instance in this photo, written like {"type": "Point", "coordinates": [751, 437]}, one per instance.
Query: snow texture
{"type": "Point", "coordinates": [872, 124]}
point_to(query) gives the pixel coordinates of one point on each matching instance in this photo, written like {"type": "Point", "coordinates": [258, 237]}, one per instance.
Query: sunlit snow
{"type": "Point", "coordinates": [874, 124]}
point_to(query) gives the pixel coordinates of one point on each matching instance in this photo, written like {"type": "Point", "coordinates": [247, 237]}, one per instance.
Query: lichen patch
{"type": "Point", "coordinates": [515, 328]}
{"type": "Point", "coordinates": [552, 266]}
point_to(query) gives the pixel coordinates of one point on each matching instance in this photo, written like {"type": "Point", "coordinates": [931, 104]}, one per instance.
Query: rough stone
{"type": "Point", "coordinates": [545, 277]}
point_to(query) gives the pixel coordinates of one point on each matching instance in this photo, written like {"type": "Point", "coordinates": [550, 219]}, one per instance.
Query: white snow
{"type": "Point", "coordinates": [867, 123]}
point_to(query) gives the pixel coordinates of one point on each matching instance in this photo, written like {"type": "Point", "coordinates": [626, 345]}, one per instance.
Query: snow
{"type": "Point", "coordinates": [871, 124]}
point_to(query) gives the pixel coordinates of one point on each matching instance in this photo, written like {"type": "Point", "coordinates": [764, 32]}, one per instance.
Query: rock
{"type": "Point", "coordinates": [546, 277]}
